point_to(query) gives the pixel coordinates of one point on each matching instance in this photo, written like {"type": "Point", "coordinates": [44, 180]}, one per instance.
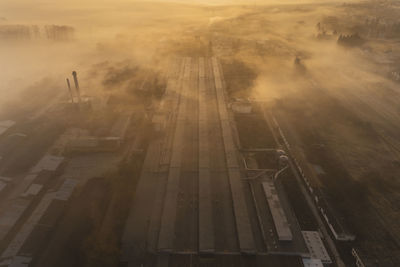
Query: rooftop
{"type": "Point", "coordinates": [316, 246]}
{"type": "Point", "coordinates": [312, 263]}
{"type": "Point", "coordinates": [278, 214]}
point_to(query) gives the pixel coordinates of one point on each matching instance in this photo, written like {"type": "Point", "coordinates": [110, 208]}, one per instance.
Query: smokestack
{"type": "Point", "coordinates": [77, 86]}
{"type": "Point", "coordinates": [70, 91]}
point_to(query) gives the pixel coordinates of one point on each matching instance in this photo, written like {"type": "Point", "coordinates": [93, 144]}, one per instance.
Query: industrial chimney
{"type": "Point", "coordinates": [70, 91]}
{"type": "Point", "coordinates": [77, 86]}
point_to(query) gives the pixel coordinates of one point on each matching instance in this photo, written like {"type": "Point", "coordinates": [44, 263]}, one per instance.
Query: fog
{"type": "Point", "coordinates": [265, 36]}
{"type": "Point", "coordinates": [119, 30]}
{"type": "Point", "coordinates": [327, 69]}
{"type": "Point", "coordinates": [268, 36]}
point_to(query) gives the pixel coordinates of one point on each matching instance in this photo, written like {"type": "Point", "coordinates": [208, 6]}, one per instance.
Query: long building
{"type": "Point", "coordinates": [192, 198]}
